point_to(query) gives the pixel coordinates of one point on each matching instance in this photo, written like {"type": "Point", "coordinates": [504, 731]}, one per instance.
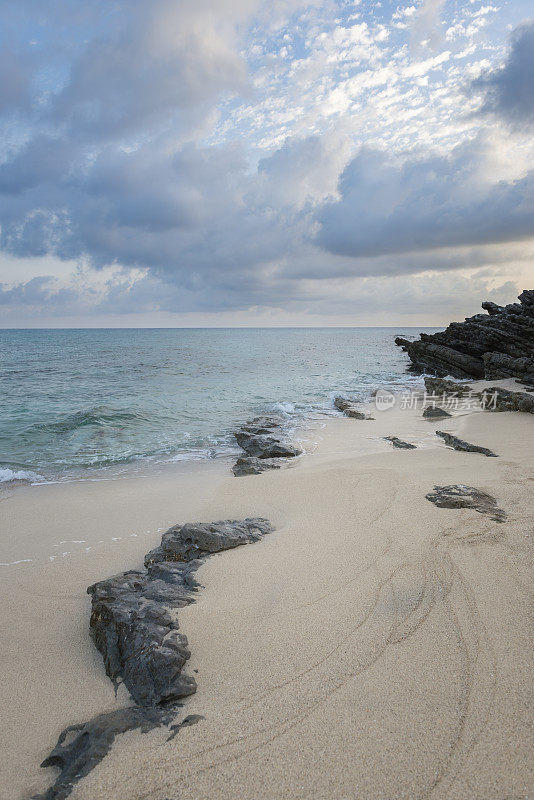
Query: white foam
{"type": "Point", "coordinates": [7, 475]}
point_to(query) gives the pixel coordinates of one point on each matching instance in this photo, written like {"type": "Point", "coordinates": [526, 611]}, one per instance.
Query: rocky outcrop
{"type": "Point", "coordinates": [189, 542]}
{"type": "Point", "coordinates": [399, 444]}
{"type": "Point", "coordinates": [499, 344]}
{"type": "Point", "coordinates": [348, 407]}
{"type": "Point", "coordinates": [441, 387]}
{"type": "Point", "coordinates": [460, 496]}
{"type": "Point", "coordinates": [497, 399]}
{"type": "Point", "coordinates": [463, 446]}
{"type": "Point", "coordinates": [263, 438]}
{"type": "Point", "coordinates": [249, 465]}
{"type": "Point", "coordinates": [355, 413]}
{"type": "Point", "coordinates": [433, 412]}
{"type": "Point", "coordinates": [134, 626]}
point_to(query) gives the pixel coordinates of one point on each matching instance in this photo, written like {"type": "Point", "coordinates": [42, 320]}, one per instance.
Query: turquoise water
{"type": "Point", "coordinates": [87, 402]}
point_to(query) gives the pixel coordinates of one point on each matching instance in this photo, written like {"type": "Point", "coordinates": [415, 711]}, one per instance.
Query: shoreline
{"type": "Point", "coordinates": [57, 652]}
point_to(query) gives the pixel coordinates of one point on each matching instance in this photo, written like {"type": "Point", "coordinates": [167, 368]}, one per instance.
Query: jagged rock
{"type": "Point", "coordinates": [354, 413]}
{"type": "Point", "coordinates": [249, 465]}
{"type": "Point", "coordinates": [81, 747]}
{"type": "Point", "coordinates": [132, 624]}
{"type": "Point", "coordinates": [497, 399]}
{"type": "Point", "coordinates": [135, 631]}
{"type": "Point", "coordinates": [496, 345]}
{"type": "Point", "coordinates": [134, 628]}
{"type": "Point", "coordinates": [442, 387]}
{"type": "Point", "coordinates": [342, 403]}
{"type": "Point", "coordinates": [432, 412]}
{"type": "Point", "coordinates": [263, 438]}
{"type": "Point", "coordinates": [196, 540]}
{"type": "Point", "coordinates": [269, 424]}
{"type": "Point", "coordinates": [266, 446]}
{"type": "Point", "coordinates": [460, 496]}
{"type": "Point", "coordinates": [465, 447]}
{"type": "Point", "coordinates": [399, 444]}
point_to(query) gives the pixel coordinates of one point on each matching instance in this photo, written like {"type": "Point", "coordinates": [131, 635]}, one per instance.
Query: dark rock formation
{"type": "Point", "coordinates": [196, 540]}
{"type": "Point", "coordinates": [249, 465]}
{"type": "Point", "coordinates": [497, 399]}
{"type": "Point", "coordinates": [499, 344]}
{"type": "Point", "coordinates": [465, 447]}
{"type": "Point", "coordinates": [442, 387]}
{"type": "Point", "coordinates": [263, 438]}
{"type": "Point", "coordinates": [341, 403]}
{"type": "Point", "coordinates": [134, 628]}
{"type": "Point", "coordinates": [349, 409]}
{"type": "Point", "coordinates": [132, 623]}
{"type": "Point", "coordinates": [460, 496]}
{"type": "Point", "coordinates": [354, 413]}
{"type": "Point", "coordinates": [135, 631]}
{"type": "Point", "coordinates": [432, 412]}
{"type": "Point", "coordinates": [399, 444]}
{"type": "Point", "coordinates": [264, 446]}
{"type": "Point", "coordinates": [81, 747]}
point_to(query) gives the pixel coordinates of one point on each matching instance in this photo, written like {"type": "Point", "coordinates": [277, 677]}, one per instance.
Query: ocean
{"type": "Point", "coordinates": [92, 403]}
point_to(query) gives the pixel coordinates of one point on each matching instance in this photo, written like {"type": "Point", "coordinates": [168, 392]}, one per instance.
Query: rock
{"type": "Point", "coordinates": [342, 403]}
{"type": "Point", "coordinates": [465, 447]}
{"type": "Point", "coordinates": [497, 399]}
{"type": "Point", "coordinates": [134, 628]}
{"type": "Point", "coordinates": [432, 412]}
{"type": "Point", "coordinates": [197, 540]}
{"type": "Point", "coordinates": [265, 424]}
{"type": "Point", "coordinates": [266, 446]}
{"type": "Point", "coordinates": [499, 344]}
{"type": "Point", "coordinates": [132, 624]}
{"type": "Point", "coordinates": [249, 465]}
{"type": "Point", "coordinates": [263, 438]}
{"type": "Point", "coordinates": [355, 414]}
{"type": "Point", "coordinates": [399, 444]}
{"type": "Point", "coordinates": [81, 747]}
{"type": "Point", "coordinates": [442, 387]}
{"type": "Point", "coordinates": [460, 496]}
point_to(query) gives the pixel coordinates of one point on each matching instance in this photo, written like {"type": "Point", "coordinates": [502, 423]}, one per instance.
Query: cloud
{"type": "Point", "coordinates": [508, 90]}
{"type": "Point", "coordinates": [422, 203]}
{"type": "Point", "coordinates": [252, 155]}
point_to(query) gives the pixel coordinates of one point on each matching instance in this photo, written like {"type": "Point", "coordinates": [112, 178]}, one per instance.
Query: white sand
{"type": "Point", "coordinates": [373, 647]}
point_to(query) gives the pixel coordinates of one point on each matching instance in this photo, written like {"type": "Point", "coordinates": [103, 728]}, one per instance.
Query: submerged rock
{"type": "Point", "coordinates": [81, 747]}
{"type": "Point", "coordinates": [499, 344]}
{"type": "Point", "coordinates": [399, 444]}
{"type": "Point", "coordinates": [433, 412]}
{"type": "Point", "coordinates": [463, 446]}
{"type": "Point", "coordinates": [460, 496]}
{"type": "Point", "coordinates": [249, 465]}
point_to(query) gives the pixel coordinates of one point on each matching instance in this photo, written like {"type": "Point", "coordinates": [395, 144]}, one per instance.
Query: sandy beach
{"type": "Point", "coordinates": [374, 646]}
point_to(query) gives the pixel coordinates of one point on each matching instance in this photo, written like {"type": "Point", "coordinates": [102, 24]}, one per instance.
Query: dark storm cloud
{"type": "Point", "coordinates": [509, 90]}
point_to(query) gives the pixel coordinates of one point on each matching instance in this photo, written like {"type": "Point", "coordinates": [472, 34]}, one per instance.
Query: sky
{"type": "Point", "coordinates": [243, 163]}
